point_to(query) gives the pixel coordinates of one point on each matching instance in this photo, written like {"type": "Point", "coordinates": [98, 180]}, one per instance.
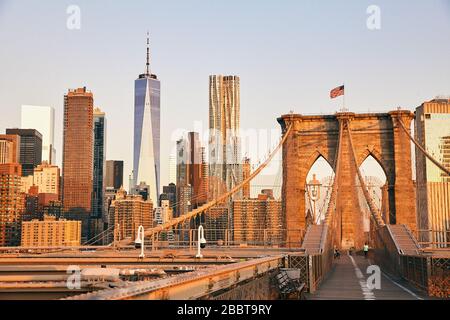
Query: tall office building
{"type": "Point", "coordinates": [113, 184]}
{"type": "Point", "coordinates": [190, 167]}
{"type": "Point", "coordinates": [78, 154]}
{"type": "Point", "coordinates": [146, 157]}
{"type": "Point", "coordinates": [225, 167]}
{"type": "Point", "coordinates": [41, 118]}
{"type": "Point", "coordinates": [114, 174]}
{"type": "Point", "coordinates": [182, 160]}
{"type": "Point", "coordinates": [108, 217]}
{"type": "Point", "coordinates": [99, 163]}
{"type": "Point", "coordinates": [163, 213]}
{"type": "Point", "coordinates": [225, 170]}
{"type": "Point", "coordinates": [9, 148]}
{"type": "Point", "coordinates": [205, 175]}
{"type": "Point", "coordinates": [12, 204]}
{"type": "Point", "coordinates": [432, 130]}
{"type": "Point", "coordinates": [30, 148]}
{"type": "Point", "coordinates": [172, 168]}
{"type": "Point", "coordinates": [184, 197]}
{"type": "Point", "coordinates": [184, 188]}
{"type": "Point", "coordinates": [170, 193]}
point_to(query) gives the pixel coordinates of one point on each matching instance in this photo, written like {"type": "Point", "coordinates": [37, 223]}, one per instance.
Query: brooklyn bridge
{"type": "Point", "coordinates": [313, 259]}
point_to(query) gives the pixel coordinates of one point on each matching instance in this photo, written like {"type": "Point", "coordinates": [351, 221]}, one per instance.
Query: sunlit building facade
{"type": "Point", "coordinates": [12, 204]}
{"type": "Point", "coordinates": [51, 232]}
{"type": "Point", "coordinates": [432, 130]}
{"type": "Point", "coordinates": [258, 220]}
{"type": "Point", "coordinates": [130, 212]}
{"type": "Point", "coordinates": [225, 168]}
{"type": "Point", "coordinates": [47, 177]}
{"type": "Point", "coordinates": [9, 148]}
{"type": "Point", "coordinates": [78, 156]}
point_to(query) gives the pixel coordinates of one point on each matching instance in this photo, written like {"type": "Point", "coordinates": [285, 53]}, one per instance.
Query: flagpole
{"type": "Point", "coordinates": [343, 99]}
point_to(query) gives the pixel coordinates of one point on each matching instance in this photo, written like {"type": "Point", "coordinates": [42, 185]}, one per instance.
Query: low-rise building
{"type": "Point", "coordinates": [51, 233]}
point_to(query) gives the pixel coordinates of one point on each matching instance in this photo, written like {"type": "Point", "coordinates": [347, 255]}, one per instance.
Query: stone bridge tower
{"type": "Point", "coordinates": [375, 134]}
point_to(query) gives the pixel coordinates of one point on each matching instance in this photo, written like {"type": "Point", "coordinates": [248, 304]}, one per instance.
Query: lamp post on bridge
{"type": "Point", "coordinates": [139, 242]}
{"type": "Point", "coordinates": [201, 243]}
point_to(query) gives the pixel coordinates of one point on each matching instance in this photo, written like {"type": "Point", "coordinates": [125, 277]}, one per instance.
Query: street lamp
{"type": "Point", "coordinates": [139, 242]}
{"type": "Point", "coordinates": [313, 189]}
{"type": "Point", "coordinates": [201, 243]}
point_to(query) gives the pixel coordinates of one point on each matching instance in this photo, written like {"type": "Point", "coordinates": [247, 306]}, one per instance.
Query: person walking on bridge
{"type": "Point", "coordinates": [337, 254]}
{"type": "Point", "coordinates": [366, 250]}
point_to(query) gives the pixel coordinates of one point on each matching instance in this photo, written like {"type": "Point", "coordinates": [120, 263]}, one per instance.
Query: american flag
{"type": "Point", "coordinates": [336, 92]}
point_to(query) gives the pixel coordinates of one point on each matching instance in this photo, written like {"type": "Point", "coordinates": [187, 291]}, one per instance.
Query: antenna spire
{"type": "Point", "coordinates": [147, 72]}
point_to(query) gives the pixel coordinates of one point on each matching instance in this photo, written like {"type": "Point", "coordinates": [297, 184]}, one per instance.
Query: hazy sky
{"type": "Point", "coordinates": [288, 54]}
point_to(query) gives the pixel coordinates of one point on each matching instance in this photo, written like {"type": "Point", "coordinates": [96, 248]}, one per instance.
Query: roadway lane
{"type": "Point", "coordinates": [347, 281]}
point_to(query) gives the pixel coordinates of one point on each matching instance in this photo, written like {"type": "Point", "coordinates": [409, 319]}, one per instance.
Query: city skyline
{"type": "Point", "coordinates": [281, 48]}
{"type": "Point", "coordinates": [198, 151]}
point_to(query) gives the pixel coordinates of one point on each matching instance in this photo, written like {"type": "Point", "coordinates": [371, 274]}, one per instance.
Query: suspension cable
{"type": "Point", "coordinates": [373, 209]}
{"type": "Point", "coordinates": [103, 234]}
{"type": "Point", "coordinates": [334, 187]}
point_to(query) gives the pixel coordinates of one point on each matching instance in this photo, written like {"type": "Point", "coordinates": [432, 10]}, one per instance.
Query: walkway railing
{"type": "Point", "coordinates": [313, 268]}
{"type": "Point", "coordinates": [385, 249]}
{"type": "Point", "coordinates": [431, 274]}
{"type": "Point", "coordinates": [433, 238]}
{"type": "Point", "coordinates": [248, 237]}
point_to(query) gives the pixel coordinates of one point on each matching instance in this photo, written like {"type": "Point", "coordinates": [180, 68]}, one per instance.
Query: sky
{"type": "Point", "coordinates": [288, 55]}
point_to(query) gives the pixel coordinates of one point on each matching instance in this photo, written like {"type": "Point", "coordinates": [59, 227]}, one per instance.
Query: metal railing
{"type": "Point", "coordinates": [249, 237]}
{"type": "Point", "coordinates": [313, 267]}
{"type": "Point", "coordinates": [386, 253]}
{"type": "Point", "coordinates": [431, 274]}
{"type": "Point", "coordinates": [432, 239]}
{"type": "Point", "coordinates": [197, 284]}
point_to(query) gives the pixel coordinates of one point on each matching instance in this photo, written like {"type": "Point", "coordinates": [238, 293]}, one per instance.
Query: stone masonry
{"type": "Point", "coordinates": [376, 134]}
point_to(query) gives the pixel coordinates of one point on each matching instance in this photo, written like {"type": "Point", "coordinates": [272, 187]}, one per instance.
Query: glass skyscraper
{"type": "Point", "coordinates": [99, 163]}
{"type": "Point", "coordinates": [146, 155]}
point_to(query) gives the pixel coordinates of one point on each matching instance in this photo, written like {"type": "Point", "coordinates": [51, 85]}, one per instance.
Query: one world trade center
{"type": "Point", "coordinates": [146, 155]}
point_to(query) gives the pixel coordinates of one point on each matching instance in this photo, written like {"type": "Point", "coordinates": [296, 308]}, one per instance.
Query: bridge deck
{"type": "Point", "coordinates": [347, 281]}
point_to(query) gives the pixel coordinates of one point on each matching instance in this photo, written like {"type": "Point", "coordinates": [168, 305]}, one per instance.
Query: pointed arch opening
{"type": "Point", "coordinates": [376, 182]}
{"type": "Point", "coordinates": [318, 185]}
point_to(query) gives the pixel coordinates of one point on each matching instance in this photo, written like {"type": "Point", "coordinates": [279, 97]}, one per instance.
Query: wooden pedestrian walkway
{"type": "Point", "coordinates": [347, 281]}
